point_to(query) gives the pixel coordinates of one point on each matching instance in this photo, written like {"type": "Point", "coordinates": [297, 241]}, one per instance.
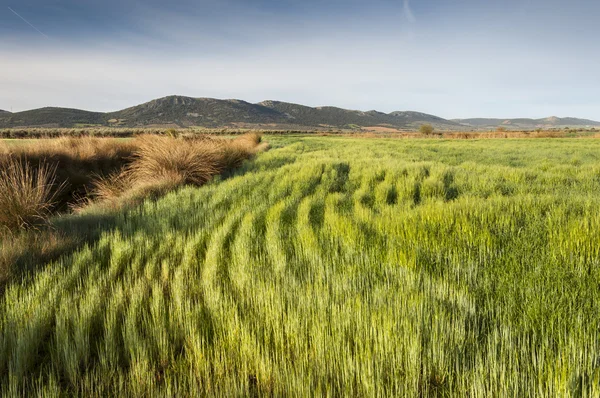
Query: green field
{"type": "Point", "coordinates": [333, 267]}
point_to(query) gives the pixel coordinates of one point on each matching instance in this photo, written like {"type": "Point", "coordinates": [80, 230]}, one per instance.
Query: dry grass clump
{"type": "Point", "coordinates": [146, 165]}
{"type": "Point", "coordinates": [122, 189]}
{"type": "Point", "coordinates": [27, 194]}
{"type": "Point", "coordinates": [156, 158]}
{"type": "Point", "coordinates": [192, 161]}
{"type": "Point", "coordinates": [27, 198]}
{"type": "Point", "coordinates": [74, 147]}
{"type": "Point", "coordinates": [232, 153]}
{"type": "Point", "coordinates": [160, 164]}
{"type": "Point", "coordinates": [78, 132]}
{"type": "Point", "coordinates": [76, 162]}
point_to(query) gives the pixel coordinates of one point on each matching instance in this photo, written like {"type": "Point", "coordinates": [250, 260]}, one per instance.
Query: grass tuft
{"type": "Point", "coordinates": [27, 194]}
{"type": "Point", "coordinates": [160, 164]}
{"type": "Point", "coordinates": [156, 158]}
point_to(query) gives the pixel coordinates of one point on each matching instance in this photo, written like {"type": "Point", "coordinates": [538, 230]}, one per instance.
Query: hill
{"type": "Point", "coordinates": [522, 123]}
{"type": "Point", "coordinates": [329, 116]}
{"type": "Point", "coordinates": [215, 113]}
{"type": "Point", "coordinates": [415, 119]}
{"type": "Point", "coordinates": [51, 117]}
{"type": "Point", "coordinates": [186, 111]}
{"type": "Point", "coordinates": [180, 111]}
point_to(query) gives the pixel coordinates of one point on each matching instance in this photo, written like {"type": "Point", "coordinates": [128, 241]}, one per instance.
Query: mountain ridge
{"type": "Point", "coordinates": [552, 122]}
{"type": "Point", "coordinates": [183, 111]}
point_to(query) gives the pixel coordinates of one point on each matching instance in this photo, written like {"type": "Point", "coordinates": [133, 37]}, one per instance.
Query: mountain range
{"type": "Point", "coordinates": [549, 122]}
{"type": "Point", "coordinates": [180, 111]}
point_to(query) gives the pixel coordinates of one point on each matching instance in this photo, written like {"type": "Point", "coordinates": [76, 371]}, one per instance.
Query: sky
{"type": "Point", "coordinates": [451, 58]}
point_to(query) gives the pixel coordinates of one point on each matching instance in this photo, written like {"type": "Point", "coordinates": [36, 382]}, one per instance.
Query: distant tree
{"type": "Point", "coordinates": [501, 129]}
{"type": "Point", "coordinates": [426, 129]}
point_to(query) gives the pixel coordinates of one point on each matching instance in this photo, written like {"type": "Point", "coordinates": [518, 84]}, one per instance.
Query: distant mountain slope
{"type": "Point", "coordinates": [344, 118]}
{"type": "Point", "coordinates": [186, 111]}
{"type": "Point", "coordinates": [550, 122]}
{"type": "Point", "coordinates": [215, 113]}
{"type": "Point", "coordinates": [59, 117]}
{"type": "Point", "coordinates": [1, 111]}
{"type": "Point", "coordinates": [417, 118]}
{"type": "Point", "coordinates": [329, 116]}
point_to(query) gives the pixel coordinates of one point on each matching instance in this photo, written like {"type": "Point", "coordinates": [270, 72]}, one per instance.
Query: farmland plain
{"type": "Point", "coordinates": [332, 267]}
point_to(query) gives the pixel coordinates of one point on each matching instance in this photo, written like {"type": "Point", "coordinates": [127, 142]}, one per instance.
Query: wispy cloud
{"type": "Point", "coordinates": [408, 13]}
{"type": "Point", "coordinates": [28, 23]}
{"type": "Point", "coordinates": [377, 57]}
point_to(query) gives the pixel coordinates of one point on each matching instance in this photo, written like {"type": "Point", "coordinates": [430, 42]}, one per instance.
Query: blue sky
{"type": "Point", "coordinates": [452, 58]}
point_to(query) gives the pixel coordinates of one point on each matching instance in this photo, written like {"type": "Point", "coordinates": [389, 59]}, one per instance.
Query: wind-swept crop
{"type": "Point", "coordinates": [332, 267]}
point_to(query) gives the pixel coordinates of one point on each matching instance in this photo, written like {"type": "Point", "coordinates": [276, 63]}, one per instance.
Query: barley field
{"type": "Point", "coordinates": [332, 266]}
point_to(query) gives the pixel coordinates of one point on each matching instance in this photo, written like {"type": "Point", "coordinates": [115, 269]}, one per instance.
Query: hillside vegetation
{"type": "Point", "coordinates": [180, 111]}
{"type": "Point", "coordinates": [214, 113]}
{"type": "Point", "coordinates": [332, 266]}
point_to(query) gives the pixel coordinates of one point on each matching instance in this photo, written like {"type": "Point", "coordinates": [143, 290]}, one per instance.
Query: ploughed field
{"type": "Point", "coordinates": [333, 266]}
